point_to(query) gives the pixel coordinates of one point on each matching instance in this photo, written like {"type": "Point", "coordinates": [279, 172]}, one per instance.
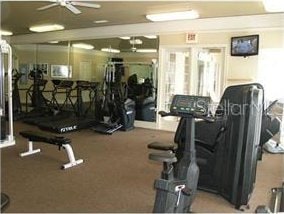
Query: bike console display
{"type": "Point", "coordinates": [187, 104]}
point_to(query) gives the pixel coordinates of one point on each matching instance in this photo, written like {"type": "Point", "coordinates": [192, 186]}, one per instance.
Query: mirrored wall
{"type": "Point", "coordinates": [87, 61]}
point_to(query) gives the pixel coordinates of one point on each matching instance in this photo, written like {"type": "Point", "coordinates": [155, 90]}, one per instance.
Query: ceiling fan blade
{"type": "Point", "coordinates": [83, 4]}
{"type": "Point", "coordinates": [72, 9]}
{"type": "Point", "coordinates": [47, 6]}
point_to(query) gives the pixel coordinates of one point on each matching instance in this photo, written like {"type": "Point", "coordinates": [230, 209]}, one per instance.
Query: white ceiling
{"type": "Point", "coordinates": [18, 16]}
{"type": "Point", "coordinates": [127, 18]}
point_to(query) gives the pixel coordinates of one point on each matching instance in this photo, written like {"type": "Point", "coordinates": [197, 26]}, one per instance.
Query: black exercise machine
{"type": "Point", "coordinates": [17, 106]}
{"type": "Point", "coordinates": [61, 87]}
{"type": "Point", "coordinates": [71, 115]}
{"type": "Point", "coordinates": [53, 111]}
{"type": "Point", "coordinates": [82, 109]}
{"type": "Point", "coordinates": [35, 91]}
{"type": "Point", "coordinates": [5, 201]}
{"type": "Point", "coordinates": [114, 111]}
{"type": "Point", "coordinates": [227, 149]}
{"type": "Point", "coordinates": [59, 141]}
{"type": "Point", "coordinates": [269, 128]}
{"type": "Point", "coordinates": [175, 192]}
{"type": "Point", "coordinates": [142, 94]}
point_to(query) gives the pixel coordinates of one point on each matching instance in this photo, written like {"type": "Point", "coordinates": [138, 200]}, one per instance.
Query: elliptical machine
{"type": "Point", "coordinates": [114, 110]}
{"type": "Point", "coordinates": [176, 189]}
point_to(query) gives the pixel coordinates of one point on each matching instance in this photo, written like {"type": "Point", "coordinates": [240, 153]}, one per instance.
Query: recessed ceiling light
{"type": "Point", "coordinates": [53, 42]}
{"type": "Point", "coordinates": [83, 46]}
{"type": "Point", "coordinates": [146, 50]}
{"type": "Point", "coordinates": [136, 42]}
{"type": "Point", "coordinates": [125, 37]}
{"type": "Point", "coordinates": [274, 5]}
{"type": "Point", "coordinates": [101, 21]}
{"type": "Point", "coordinates": [151, 36]}
{"type": "Point", "coordinates": [46, 28]}
{"type": "Point", "coordinates": [5, 33]}
{"type": "Point", "coordinates": [110, 50]}
{"type": "Point", "coordinates": [190, 14]}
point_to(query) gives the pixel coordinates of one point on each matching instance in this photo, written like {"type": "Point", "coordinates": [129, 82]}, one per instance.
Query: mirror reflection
{"type": "Point", "coordinates": [121, 68]}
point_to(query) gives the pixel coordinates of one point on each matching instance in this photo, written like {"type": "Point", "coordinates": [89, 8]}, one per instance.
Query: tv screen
{"type": "Point", "coordinates": [244, 45]}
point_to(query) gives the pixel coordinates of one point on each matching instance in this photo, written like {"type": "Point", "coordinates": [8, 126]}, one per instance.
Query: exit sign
{"type": "Point", "coordinates": [191, 38]}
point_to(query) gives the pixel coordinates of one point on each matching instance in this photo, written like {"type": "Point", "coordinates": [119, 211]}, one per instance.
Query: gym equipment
{"type": "Point", "coordinates": [273, 147]}
{"type": "Point", "coordinates": [227, 149]}
{"type": "Point", "coordinates": [142, 94]}
{"type": "Point", "coordinates": [80, 107]}
{"type": "Point", "coordinates": [67, 119]}
{"type": "Point", "coordinates": [35, 91]}
{"type": "Point", "coordinates": [114, 110]}
{"type": "Point", "coordinates": [269, 128]}
{"type": "Point", "coordinates": [5, 201]}
{"type": "Point", "coordinates": [61, 87]}
{"type": "Point", "coordinates": [176, 192]}
{"type": "Point", "coordinates": [61, 142]}
{"type": "Point", "coordinates": [276, 202]}
{"type": "Point", "coordinates": [17, 106]}
{"type": "Point", "coordinates": [7, 135]}
{"type": "Point", "coordinates": [53, 111]}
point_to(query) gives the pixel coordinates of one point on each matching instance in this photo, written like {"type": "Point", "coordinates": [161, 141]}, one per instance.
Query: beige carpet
{"type": "Point", "coordinates": [115, 177]}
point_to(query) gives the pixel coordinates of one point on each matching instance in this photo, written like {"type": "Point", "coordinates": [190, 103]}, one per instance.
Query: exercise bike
{"type": "Point", "coordinates": [176, 189]}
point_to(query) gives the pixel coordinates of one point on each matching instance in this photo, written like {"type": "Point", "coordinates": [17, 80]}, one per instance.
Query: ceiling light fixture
{"type": "Point", "coordinates": [136, 42]}
{"type": "Point", "coordinates": [46, 28]}
{"type": "Point", "coordinates": [110, 50]}
{"type": "Point", "coordinates": [125, 37]}
{"type": "Point", "coordinates": [101, 21]}
{"type": "Point", "coordinates": [53, 42]}
{"type": "Point", "coordinates": [146, 50]}
{"type": "Point", "coordinates": [151, 36]}
{"type": "Point", "coordinates": [83, 46]}
{"type": "Point", "coordinates": [190, 14]}
{"type": "Point", "coordinates": [5, 33]}
{"type": "Point", "coordinates": [273, 5]}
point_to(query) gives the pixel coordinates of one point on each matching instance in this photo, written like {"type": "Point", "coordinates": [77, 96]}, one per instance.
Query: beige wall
{"type": "Point", "coordinates": [239, 69]}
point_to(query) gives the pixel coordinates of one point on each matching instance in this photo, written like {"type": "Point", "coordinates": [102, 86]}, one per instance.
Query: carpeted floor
{"type": "Point", "coordinates": [115, 177]}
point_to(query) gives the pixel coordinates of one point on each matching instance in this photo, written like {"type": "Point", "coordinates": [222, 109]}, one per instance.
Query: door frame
{"type": "Point", "coordinates": [171, 126]}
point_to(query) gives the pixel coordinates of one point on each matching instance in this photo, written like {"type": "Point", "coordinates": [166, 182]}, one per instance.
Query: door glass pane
{"type": "Point", "coordinates": [209, 70]}
{"type": "Point", "coordinates": [177, 75]}
{"type": "Point", "coordinates": [190, 71]}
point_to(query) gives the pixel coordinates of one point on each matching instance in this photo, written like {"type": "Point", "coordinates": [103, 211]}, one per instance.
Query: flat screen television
{"type": "Point", "coordinates": [244, 45]}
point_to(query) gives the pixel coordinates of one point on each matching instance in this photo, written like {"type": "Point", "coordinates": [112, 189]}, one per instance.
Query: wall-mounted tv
{"type": "Point", "coordinates": [244, 45]}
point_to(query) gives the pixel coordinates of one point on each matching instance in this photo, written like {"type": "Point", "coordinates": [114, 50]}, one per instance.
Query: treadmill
{"type": "Point", "coordinates": [78, 120]}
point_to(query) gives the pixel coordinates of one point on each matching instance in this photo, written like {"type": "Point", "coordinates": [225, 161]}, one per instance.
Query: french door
{"type": "Point", "coordinates": [190, 71]}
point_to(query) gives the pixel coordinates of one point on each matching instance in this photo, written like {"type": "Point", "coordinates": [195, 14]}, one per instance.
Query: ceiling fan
{"type": "Point", "coordinates": [70, 5]}
{"type": "Point", "coordinates": [133, 42]}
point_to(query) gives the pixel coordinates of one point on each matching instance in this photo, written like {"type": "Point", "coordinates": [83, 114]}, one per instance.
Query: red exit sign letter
{"type": "Point", "coordinates": [191, 38]}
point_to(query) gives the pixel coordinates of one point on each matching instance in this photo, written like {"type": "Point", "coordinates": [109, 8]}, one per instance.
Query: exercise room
{"type": "Point", "coordinates": [142, 106]}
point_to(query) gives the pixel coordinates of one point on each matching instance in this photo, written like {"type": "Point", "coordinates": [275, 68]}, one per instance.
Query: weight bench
{"type": "Point", "coordinates": [34, 136]}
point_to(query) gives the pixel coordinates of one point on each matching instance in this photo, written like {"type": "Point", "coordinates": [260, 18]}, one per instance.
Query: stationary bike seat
{"type": "Point", "coordinates": [163, 157]}
{"type": "Point", "coordinates": [162, 146]}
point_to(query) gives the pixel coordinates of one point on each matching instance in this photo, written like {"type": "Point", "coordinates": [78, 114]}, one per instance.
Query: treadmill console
{"type": "Point", "coordinates": [187, 104]}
